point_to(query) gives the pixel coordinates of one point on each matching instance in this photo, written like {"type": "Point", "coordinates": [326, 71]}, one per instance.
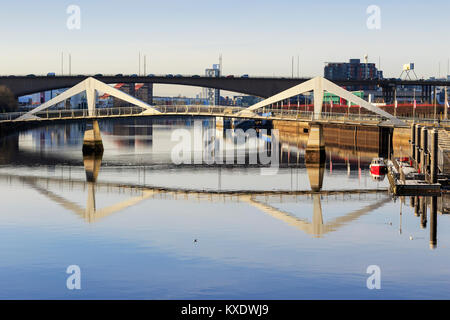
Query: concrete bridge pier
{"type": "Point", "coordinates": [92, 142]}
{"type": "Point", "coordinates": [315, 148]}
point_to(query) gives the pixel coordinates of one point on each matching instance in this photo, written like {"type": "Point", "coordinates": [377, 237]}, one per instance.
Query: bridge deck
{"type": "Point", "coordinates": [204, 111]}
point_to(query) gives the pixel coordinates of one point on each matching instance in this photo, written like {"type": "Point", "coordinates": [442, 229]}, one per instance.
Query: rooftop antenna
{"type": "Point", "coordinates": [220, 64]}
{"type": "Point", "coordinates": [366, 60]}
{"type": "Point", "coordinates": [70, 64]}
{"type": "Point", "coordinates": [62, 63]}
{"type": "Point", "coordinates": [292, 66]}
{"type": "Point", "coordinates": [145, 64]}
{"type": "Point", "coordinates": [298, 66]}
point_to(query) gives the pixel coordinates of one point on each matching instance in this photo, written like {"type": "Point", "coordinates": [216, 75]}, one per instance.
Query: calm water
{"type": "Point", "coordinates": [141, 227]}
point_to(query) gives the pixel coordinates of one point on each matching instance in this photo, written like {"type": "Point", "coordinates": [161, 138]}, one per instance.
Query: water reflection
{"type": "Point", "coordinates": [315, 226]}
{"type": "Point", "coordinates": [124, 138]}
{"type": "Point", "coordinates": [154, 139]}
{"type": "Point", "coordinates": [377, 177]}
{"type": "Point", "coordinates": [276, 233]}
{"type": "Point", "coordinates": [92, 164]}
{"type": "Point", "coordinates": [315, 175]}
{"type": "Point", "coordinates": [421, 204]}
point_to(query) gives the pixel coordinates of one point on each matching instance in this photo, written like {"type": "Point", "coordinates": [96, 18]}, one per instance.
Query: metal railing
{"type": "Point", "coordinates": [227, 111]}
{"type": "Point", "coordinates": [121, 111]}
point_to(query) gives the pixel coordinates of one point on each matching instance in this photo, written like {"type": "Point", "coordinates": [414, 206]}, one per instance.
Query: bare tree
{"type": "Point", "coordinates": [8, 102]}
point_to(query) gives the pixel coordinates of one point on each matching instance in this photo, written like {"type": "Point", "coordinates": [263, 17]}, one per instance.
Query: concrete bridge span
{"type": "Point", "coordinates": [258, 86]}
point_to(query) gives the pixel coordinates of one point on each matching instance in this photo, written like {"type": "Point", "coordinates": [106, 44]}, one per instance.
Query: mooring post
{"type": "Point", "coordinates": [417, 156]}
{"type": "Point", "coordinates": [416, 206]}
{"type": "Point", "coordinates": [434, 156]}
{"type": "Point", "coordinates": [421, 201]}
{"type": "Point", "coordinates": [433, 223]}
{"type": "Point", "coordinates": [424, 150]}
{"type": "Point", "coordinates": [423, 214]}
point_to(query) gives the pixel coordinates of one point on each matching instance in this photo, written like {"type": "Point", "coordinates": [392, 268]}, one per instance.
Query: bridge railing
{"type": "Point", "coordinates": [272, 113]}
{"type": "Point", "coordinates": [192, 109]}
{"type": "Point", "coordinates": [283, 113]}
{"type": "Point", "coordinates": [123, 111]}
{"type": "Point", "coordinates": [73, 113]}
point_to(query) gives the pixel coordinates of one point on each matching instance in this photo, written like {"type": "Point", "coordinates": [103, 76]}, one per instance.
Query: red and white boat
{"type": "Point", "coordinates": [377, 177]}
{"type": "Point", "coordinates": [377, 166]}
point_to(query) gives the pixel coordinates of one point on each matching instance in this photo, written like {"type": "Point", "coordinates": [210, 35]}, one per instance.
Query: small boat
{"type": "Point", "coordinates": [377, 166]}
{"type": "Point", "coordinates": [377, 177]}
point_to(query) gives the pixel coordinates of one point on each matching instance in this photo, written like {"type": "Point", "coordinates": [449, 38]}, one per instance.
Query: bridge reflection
{"type": "Point", "coordinates": [267, 202]}
{"type": "Point", "coordinates": [292, 150]}
{"type": "Point", "coordinates": [259, 200]}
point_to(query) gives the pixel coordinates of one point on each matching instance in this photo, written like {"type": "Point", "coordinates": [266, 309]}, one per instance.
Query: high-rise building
{"type": "Point", "coordinates": [213, 95]}
{"type": "Point", "coordinates": [352, 70]}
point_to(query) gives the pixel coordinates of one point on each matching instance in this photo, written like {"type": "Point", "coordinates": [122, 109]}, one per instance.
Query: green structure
{"type": "Point", "coordinates": [328, 97]}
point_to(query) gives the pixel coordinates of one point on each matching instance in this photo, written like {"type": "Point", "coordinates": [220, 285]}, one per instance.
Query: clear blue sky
{"type": "Point", "coordinates": [257, 37]}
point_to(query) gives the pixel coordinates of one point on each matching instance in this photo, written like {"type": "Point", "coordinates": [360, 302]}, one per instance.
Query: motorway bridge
{"type": "Point", "coordinates": [257, 86]}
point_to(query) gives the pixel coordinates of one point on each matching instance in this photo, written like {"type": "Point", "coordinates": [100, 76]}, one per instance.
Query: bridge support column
{"type": "Point", "coordinates": [133, 89]}
{"type": "Point", "coordinates": [149, 93]}
{"type": "Point", "coordinates": [315, 149]}
{"type": "Point", "coordinates": [92, 142]}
